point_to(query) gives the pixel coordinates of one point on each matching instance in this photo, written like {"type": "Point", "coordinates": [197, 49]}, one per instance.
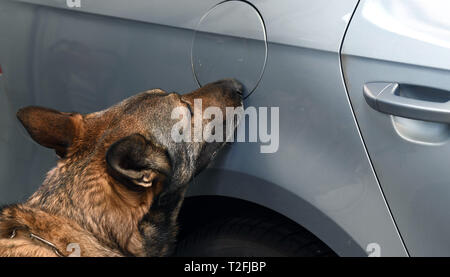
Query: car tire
{"type": "Point", "coordinates": [251, 237]}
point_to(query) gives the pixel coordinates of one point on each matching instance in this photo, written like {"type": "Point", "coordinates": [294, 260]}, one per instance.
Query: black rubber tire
{"type": "Point", "coordinates": [251, 237]}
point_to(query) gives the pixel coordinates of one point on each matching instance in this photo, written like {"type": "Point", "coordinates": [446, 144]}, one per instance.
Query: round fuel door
{"type": "Point", "coordinates": [230, 41]}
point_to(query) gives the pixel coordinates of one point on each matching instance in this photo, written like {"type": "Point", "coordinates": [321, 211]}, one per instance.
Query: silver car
{"type": "Point", "coordinates": [361, 166]}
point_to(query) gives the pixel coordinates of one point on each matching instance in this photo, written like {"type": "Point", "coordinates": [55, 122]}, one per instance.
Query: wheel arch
{"type": "Point", "coordinates": [222, 193]}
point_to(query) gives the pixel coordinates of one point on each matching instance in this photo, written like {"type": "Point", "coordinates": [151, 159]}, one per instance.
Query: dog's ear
{"type": "Point", "coordinates": [139, 161]}
{"type": "Point", "coordinates": [50, 128]}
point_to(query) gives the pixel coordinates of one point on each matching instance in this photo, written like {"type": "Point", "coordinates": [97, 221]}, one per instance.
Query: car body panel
{"type": "Point", "coordinates": [85, 60]}
{"type": "Point", "coordinates": [286, 20]}
{"type": "Point", "coordinates": [408, 44]}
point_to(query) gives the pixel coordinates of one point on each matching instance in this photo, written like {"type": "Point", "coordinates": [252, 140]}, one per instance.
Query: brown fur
{"type": "Point", "coordinates": [123, 205]}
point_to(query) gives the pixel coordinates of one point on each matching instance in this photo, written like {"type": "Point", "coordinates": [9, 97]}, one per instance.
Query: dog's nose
{"type": "Point", "coordinates": [223, 93]}
{"type": "Point", "coordinates": [237, 86]}
{"type": "Point", "coordinates": [234, 85]}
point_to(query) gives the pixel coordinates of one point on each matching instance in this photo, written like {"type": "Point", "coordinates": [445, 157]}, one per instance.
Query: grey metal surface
{"type": "Point", "coordinates": [408, 44]}
{"type": "Point", "coordinates": [288, 17]}
{"type": "Point", "coordinates": [81, 60]}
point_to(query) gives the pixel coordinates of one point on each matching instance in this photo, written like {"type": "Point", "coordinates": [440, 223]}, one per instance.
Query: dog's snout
{"type": "Point", "coordinates": [222, 93]}
{"type": "Point", "coordinates": [234, 85]}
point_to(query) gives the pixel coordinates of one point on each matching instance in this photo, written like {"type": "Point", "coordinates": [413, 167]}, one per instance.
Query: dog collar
{"type": "Point", "coordinates": [44, 241]}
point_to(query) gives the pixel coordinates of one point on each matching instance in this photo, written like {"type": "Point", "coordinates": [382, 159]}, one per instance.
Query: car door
{"type": "Point", "coordinates": [396, 62]}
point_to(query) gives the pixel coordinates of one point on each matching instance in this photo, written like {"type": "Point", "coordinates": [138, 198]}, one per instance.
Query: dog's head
{"type": "Point", "coordinates": [133, 141]}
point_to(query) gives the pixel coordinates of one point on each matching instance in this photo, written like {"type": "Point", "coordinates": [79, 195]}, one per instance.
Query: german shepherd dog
{"type": "Point", "coordinates": [120, 181]}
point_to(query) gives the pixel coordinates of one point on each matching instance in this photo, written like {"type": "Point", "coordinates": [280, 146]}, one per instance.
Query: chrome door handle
{"type": "Point", "coordinates": [385, 97]}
